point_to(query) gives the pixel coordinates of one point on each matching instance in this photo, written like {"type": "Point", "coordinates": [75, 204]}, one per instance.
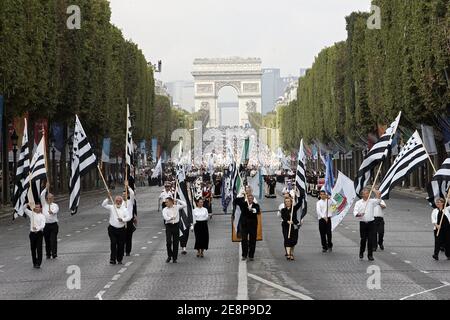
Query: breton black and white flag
{"type": "Point", "coordinates": [186, 218]}
{"type": "Point", "coordinates": [83, 160]}
{"type": "Point", "coordinates": [410, 157]}
{"type": "Point", "coordinates": [440, 184]}
{"type": "Point", "coordinates": [129, 142]}
{"type": "Point", "coordinates": [23, 170]}
{"type": "Point", "coordinates": [37, 175]}
{"type": "Point", "coordinates": [377, 153]}
{"type": "Point", "coordinates": [300, 178]}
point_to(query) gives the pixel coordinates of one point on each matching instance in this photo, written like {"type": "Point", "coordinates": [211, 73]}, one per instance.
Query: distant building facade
{"type": "Point", "coordinates": [182, 93]}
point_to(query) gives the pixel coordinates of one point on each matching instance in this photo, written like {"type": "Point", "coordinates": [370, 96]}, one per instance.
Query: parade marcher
{"type": "Point", "coordinates": [364, 210]}
{"type": "Point", "coordinates": [290, 241]}
{"type": "Point", "coordinates": [50, 211]}
{"type": "Point", "coordinates": [379, 226]}
{"type": "Point", "coordinates": [443, 240]}
{"type": "Point", "coordinates": [172, 217]}
{"type": "Point", "coordinates": [37, 225]}
{"type": "Point", "coordinates": [323, 208]}
{"type": "Point", "coordinates": [248, 223]}
{"type": "Point", "coordinates": [131, 206]}
{"type": "Point", "coordinates": [118, 218]}
{"type": "Point", "coordinates": [166, 193]}
{"type": "Point", "coordinates": [201, 215]}
{"type": "Point", "coordinates": [207, 196]}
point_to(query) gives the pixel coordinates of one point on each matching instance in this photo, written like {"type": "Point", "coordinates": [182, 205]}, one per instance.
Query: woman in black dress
{"type": "Point", "coordinates": [290, 242]}
{"type": "Point", "coordinates": [200, 215]}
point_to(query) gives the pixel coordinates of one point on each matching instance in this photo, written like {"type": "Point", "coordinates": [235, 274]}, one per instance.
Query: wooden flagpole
{"type": "Point", "coordinates": [107, 189]}
{"type": "Point", "coordinates": [44, 135]}
{"type": "Point", "coordinates": [292, 212]}
{"type": "Point", "coordinates": [126, 155]}
{"type": "Point", "coordinates": [443, 212]}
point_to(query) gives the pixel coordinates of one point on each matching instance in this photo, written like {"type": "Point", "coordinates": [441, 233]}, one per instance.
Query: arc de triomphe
{"type": "Point", "coordinates": [243, 74]}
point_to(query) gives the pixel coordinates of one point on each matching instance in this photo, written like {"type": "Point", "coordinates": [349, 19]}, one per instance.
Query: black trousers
{"type": "Point", "coordinates": [36, 247]}
{"type": "Point", "coordinates": [248, 235]}
{"type": "Point", "coordinates": [379, 232]}
{"type": "Point", "coordinates": [172, 240]}
{"type": "Point", "coordinates": [129, 236]}
{"type": "Point", "coordinates": [51, 237]}
{"type": "Point", "coordinates": [366, 231]}
{"type": "Point", "coordinates": [184, 238]}
{"type": "Point", "coordinates": [442, 241]}
{"type": "Point", "coordinates": [325, 233]}
{"type": "Point", "coordinates": [117, 238]}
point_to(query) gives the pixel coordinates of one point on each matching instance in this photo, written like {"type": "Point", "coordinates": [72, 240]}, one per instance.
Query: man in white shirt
{"type": "Point", "coordinates": [323, 209]}
{"type": "Point", "coordinates": [131, 206]}
{"type": "Point", "coordinates": [37, 225]}
{"type": "Point", "coordinates": [364, 211]}
{"type": "Point", "coordinates": [171, 217]}
{"type": "Point", "coordinates": [379, 225]}
{"type": "Point", "coordinates": [166, 193]}
{"type": "Point", "coordinates": [118, 218]}
{"type": "Point", "coordinates": [50, 211]}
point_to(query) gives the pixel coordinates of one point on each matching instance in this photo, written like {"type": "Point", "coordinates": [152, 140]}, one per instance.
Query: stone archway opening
{"type": "Point", "coordinates": [228, 104]}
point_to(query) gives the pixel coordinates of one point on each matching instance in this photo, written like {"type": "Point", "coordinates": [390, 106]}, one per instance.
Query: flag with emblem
{"type": "Point", "coordinates": [23, 169]}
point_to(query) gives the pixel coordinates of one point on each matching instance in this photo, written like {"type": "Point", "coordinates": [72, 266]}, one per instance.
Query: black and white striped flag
{"type": "Point", "coordinates": [440, 184]}
{"type": "Point", "coordinates": [37, 176]}
{"type": "Point", "coordinates": [186, 217]}
{"type": "Point", "coordinates": [129, 142]}
{"type": "Point", "coordinates": [300, 178]}
{"type": "Point", "coordinates": [23, 169]}
{"type": "Point", "coordinates": [410, 157]}
{"type": "Point", "coordinates": [83, 160]}
{"type": "Point", "coordinates": [376, 154]}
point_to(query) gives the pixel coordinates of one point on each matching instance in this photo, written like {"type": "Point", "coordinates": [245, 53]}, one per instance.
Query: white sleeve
{"type": "Point", "coordinates": [181, 204]}
{"type": "Point", "coordinates": [164, 214]}
{"type": "Point", "coordinates": [128, 214]}
{"type": "Point", "coordinates": [106, 205]}
{"type": "Point", "coordinates": [55, 208]}
{"type": "Point", "coordinates": [356, 209]}
{"type": "Point", "coordinates": [318, 210]}
{"type": "Point", "coordinates": [28, 212]}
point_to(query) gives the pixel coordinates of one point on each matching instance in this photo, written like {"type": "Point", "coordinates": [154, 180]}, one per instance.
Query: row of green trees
{"type": "Point", "coordinates": [53, 72]}
{"type": "Point", "coordinates": [362, 83]}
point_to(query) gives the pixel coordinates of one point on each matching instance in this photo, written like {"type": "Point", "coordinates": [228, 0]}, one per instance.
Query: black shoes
{"type": "Point", "coordinates": [183, 252]}
{"type": "Point", "coordinates": [168, 259]}
{"type": "Point", "coordinates": [330, 249]}
{"type": "Point", "coordinates": [127, 254]}
{"type": "Point", "coordinates": [36, 266]}
{"type": "Point", "coordinates": [112, 262]}
{"type": "Point", "coordinates": [251, 259]}
{"type": "Point", "coordinates": [174, 261]}
{"type": "Point", "coordinates": [55, 256]}
{"type": "Point", "coordinates": [381, 247]}
{"type": "Point", "coordinates": [370, 258]}
{"type": "Point", "coordinates": [361, 255]}
{"type": "Point", "coordinates": [48, 257]}
{"type": "Point", "coordinates": [119, 262]}
{"type": "Point", "coordinates": [244, 258]}
{"type": "Point", "coordinates": [435, 257]}
{"type": "Point", "coordinates": [324, 250]}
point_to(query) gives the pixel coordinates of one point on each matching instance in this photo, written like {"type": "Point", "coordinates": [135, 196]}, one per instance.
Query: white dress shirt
{"type": "Point", "coordinates": [434, 216]}
{"type": "Point", "coordinates": [129, 204]}
{"type": "Point", "coordinates": [116, 213]}
{"type": "Point", "coordinates": [49, 218]}
{"type": "Point", "coordinates": [171, 215]}
{"type": "Point", "coordinates": [368, 210]}
{"type": "Point", "coordinates": [379, 211]}
{"type": "Point", "coordinates": [37, 220]}
{"type": "Point", "coordinates": [200, 214]}
{"type": "Point", "coordinates": [321, 209]}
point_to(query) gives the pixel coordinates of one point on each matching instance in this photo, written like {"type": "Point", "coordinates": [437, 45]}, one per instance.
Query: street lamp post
{"type": "Point", "coordinates": [14, 139]}
{"type": "Point", "coordinates": [53, 164]}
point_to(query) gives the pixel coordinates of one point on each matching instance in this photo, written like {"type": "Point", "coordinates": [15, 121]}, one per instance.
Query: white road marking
{"type": "Point", "coordinates": [143, 248]}
{"type": "Point", "coordinates": [18, 258]}
{"type": "Point", "coordinates": [86, 228]}
{"type": "Point", "coordinates": [93, 225]}
{"type": "Point", "coordinates": [68, 235]}
{"type": "Point", "coordinates": [104, 219]}
{"type": "Point", "coordinates": [446, 284]}
{"type": "Point", "coordinates": [423, 271]}
{"type": "Point", "coordinates": [354, 231]}
{"type": "Point", "coordinates": [108, 285]}
{"type": "Point", "coordinates": [78, 231]}
{"type": "Point", "coordinates": [407, 261]}
{"type": "Point", "coordinates": [277, 286]}
{"type": "Point", "coordinates": [1, 266]}
{"type": "Point", "coordinates": [129, 263]}
{"type": "Point", "coordinates": [59, 240]}
{"type": "Point", "coordinates": [122, 270]}
{"type": "Point", "coordinates": [242, 293]}
{"type": "Point", "coordinates": [155, 237]}
{"type": "Point", "coordinates": [149, 242]}
{"type": "Point", "coordinates": [393, 253]}
{"type": "Point", "coordinates": [159, 232]}
{"type": "Point", "coordinates": [10, 229]}
{"type": "Point", "coordinates": [136, 254]}
{"type": "Point", "coordinates": [116, 277]}
{"type": "Point", "coordinates": [99, 295]}
{"type": "Point", "coordinates": [99, 222]}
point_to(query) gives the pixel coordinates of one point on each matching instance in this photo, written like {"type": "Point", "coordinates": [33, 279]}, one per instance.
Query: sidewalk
{"type": "Point", "coordinates": [8, 211]}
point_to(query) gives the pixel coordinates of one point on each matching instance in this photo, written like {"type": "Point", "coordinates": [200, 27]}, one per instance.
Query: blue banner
{"type": "Point", "coordinates": [106, 149]}
{"type": "Point", "coordinates": [329, 176]}
{"type": "Point", "coordinates": [58, 136]}
{"type": "Point", "coordinates": [154, 149]}
{"type": "Point", "coordinates": [142, 147]}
